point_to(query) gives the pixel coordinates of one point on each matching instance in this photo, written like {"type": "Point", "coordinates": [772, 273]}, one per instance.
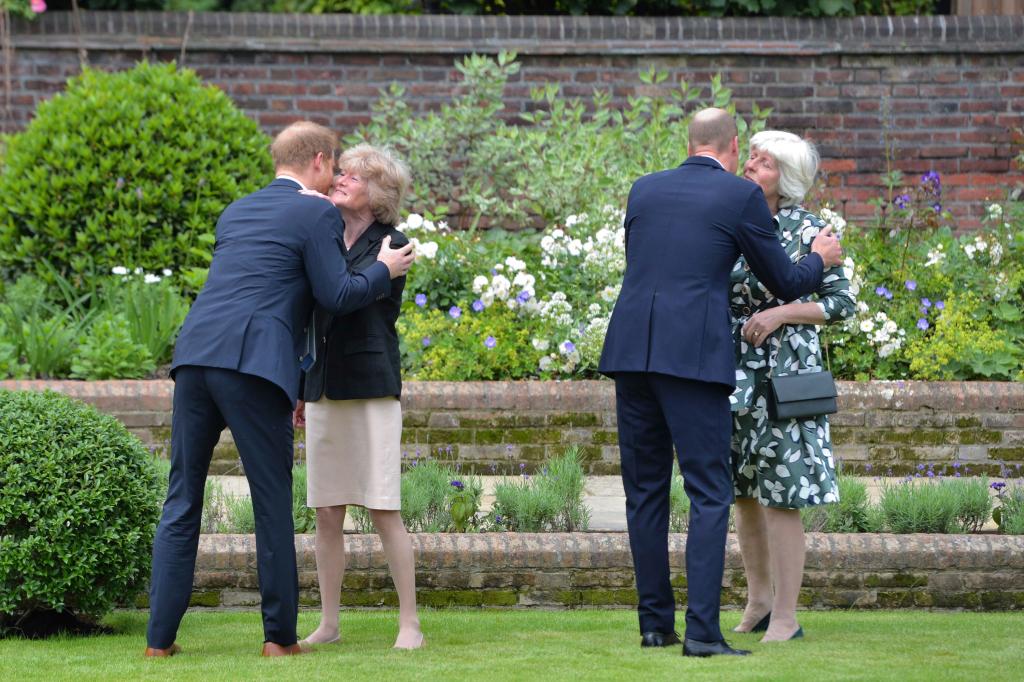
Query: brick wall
{"type": "Point", "coordinates": [977, 572]}
{"type": "Point", "coordinates": [948, 91]}
{"type": "Point", "coordinates": [881, 427]}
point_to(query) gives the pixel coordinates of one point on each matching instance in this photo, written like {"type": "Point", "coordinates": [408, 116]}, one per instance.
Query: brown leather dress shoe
{"type": "Point", "coordinates": [274, 649]}
{"type": "Point", "coordinates": [162, 653]}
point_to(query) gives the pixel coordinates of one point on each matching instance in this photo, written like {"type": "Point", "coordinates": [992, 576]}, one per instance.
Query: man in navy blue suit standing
{"type": "Point", "coordinates": [236, 364]}
{"type": "Point", "coordinates": [670, 351]}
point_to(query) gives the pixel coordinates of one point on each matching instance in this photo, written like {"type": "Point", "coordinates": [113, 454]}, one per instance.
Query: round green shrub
{"type": "Point", "coordinates": [125, 169]}
{"type": "Point", "coordinates": [79, 503]}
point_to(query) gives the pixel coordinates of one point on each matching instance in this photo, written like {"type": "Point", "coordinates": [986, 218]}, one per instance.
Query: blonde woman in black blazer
{"type": "Point", "coordinates": [352, 413]}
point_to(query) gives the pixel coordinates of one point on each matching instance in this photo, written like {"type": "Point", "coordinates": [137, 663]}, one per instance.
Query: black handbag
{"type": "Point", "coordinates": [795, 396]}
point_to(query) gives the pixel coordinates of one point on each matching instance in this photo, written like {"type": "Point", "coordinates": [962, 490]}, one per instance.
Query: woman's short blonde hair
{"type": "Point", "coordinates": [386, 176]}
{"type": "Point", "coordinates": [797, 160]}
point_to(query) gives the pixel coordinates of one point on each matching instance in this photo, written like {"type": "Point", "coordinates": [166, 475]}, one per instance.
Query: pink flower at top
{"type": "Point", "coordinates": [38, 6]}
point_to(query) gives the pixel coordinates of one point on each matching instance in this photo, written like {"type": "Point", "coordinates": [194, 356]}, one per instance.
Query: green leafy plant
{"type": "Point", "coordinates": [303, 517]}
{"type": "Point", "coordinates": [78, 509]}
{"type": "Point", "coordinates": [678, 504]}
{"type": "Point", "coordinates": [942, 506]}
{"type": "Point", "coordinates": [854, 512]}
{"type": "Point", "coordinates": [154, 310]}
{"type": "Point", "coordinates": [108, 351]}
{"type": "Point", "coordinates": [550, 501]}
{"type": "Point", "coordinates": [125, 169]}
{"type": "Point", "coordinates": [1009, 515]}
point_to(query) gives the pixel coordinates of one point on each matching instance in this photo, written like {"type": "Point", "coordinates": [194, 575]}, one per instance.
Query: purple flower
{"type": "Point", "coordinates": [867, 467]}
{"type": "Point", "coordinates": [910, 284]}
{"type": "Point", "coordinates": [421, 300]}
{"type": "Point", "coordinates": [881, 291]}
{"type": "Point", "coordinates": [931, 474]}
{"type": "Point", "coordinates": [920, 467]}
{"type": "Point", "coordinates": [938, 207]}
{"type": "Point", "coordinates": [925, 303]}
{"type": "Point", "coordinates": [940, 305]}
{"type": "Point", "coordinates": [138, 193]}
{"type": "Point", "coordinates": [956, 464]}
{"type": "Point", "coordinates": [455, 312]}
{"type": "Point", "coordinates": [119, 184]}
{"type": "Point", "coordinates": [426, 341]}
{"type": "Point", "coordinates": [522, 466]}
{"type": "Point", "coordinates": [568, 347]}
{"type": "Point", "coordinates": [997, 485]}
{"type": "Point", "coordinates": [902, 201]}
{"type": "Point", "coordinates": [931, 182]}
{"type": "Point", "coordinates": [523, 296]}
{"type": "Point", "coordinates": [497, 519]}
{"type": "Point", "coordinates": [956, 475]}
{"type": "Point", "coordinates": [458, 485]}
{"type": "Point", "coordinates": [478, 305]}
{"type": "Point", "coordinates": [922, 324]}
{"type": "Point", "coordinates": [490, 342]}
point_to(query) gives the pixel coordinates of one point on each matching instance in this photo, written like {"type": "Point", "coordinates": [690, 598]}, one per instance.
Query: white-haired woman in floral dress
{"type": "Point", "coordinates": [780, 466]}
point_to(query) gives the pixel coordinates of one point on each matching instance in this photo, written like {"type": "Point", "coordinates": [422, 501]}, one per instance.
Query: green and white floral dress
{"type": "Point", "coordinates": [788, 463]}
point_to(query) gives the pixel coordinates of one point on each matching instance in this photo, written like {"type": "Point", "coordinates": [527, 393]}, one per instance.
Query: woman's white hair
{"type": "Point", "coordinates": [797, 160]}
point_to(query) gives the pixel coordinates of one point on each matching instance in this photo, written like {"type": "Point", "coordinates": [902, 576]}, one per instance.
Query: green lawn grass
{"type": "Point", "coordinates": [488, 646]}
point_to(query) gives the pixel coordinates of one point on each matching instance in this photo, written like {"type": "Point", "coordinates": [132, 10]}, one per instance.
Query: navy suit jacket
{"type": "Point", "coordinates": [276, 252]}
{"type": "Point", "coordinates": [685, 229]}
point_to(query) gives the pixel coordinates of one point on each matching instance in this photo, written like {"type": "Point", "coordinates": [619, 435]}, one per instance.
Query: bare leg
{"type": "Point", "coordinates": [330, 570]}
{"type": "Point", "coordinates": [752, 533]}
{"type": "Point", "coordinates": [786, 538]}
{"type": "Point", "coordinates": [398, 550]}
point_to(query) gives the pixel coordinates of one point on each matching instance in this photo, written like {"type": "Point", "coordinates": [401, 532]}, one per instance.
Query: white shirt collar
{"type": "Point", "coordinates": [292, 178]}
{"type": "Point", "coordinates": [708, 156]}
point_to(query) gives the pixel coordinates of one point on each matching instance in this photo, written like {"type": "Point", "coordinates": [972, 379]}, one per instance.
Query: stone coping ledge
{"type": "Point", "coordinates": [588, 395]}
{"type": "Point", "coordinates": [845, 551]}
{"type": "Point", "coordinates": [347, 33]}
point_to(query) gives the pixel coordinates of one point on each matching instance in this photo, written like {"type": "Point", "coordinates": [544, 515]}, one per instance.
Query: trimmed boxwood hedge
{"type": "Point", "coordinates": [79, 503]}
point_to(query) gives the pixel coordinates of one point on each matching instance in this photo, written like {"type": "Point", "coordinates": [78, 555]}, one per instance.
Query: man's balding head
{"type": "Point", "coordinates": [714, 128]}
{"type": "Point", "coordinates": [713, 132]}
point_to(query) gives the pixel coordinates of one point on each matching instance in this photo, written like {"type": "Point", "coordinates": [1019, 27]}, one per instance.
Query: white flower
{"type": "Point", "coordinates": [414, 221]}
{"type": "Point", "coordinates": [935, 256]}
{"type": "Point", "coordinates": [540, 344]}
{"type": "Point", "coordinates": [515, 264]}
{"type": "Point", "coordinates": [427, 250]}
{"type": "Point", "coordinates": [995, 211]}
{"type": "Point", "coordinates": [594, 309]}
{"type": "Point", "coordinates": [139, 271]}
{"type": "Point", "coordinates": [479, 282]}
{"type": "Point", "coordinates": [867, 326]}
{"type": "Point", "coordinates": [119, 270]}
{"type": "Point", "coordinates": [886, 350]}
{"type": "Point", "coordinates": [151, 279]}
{"type": "Point", "coordinates": [545, 363]}
{"type": "Point", "coordinates": [167, 272]}
{"type": "Point", "coordinates": [609, 294]}
{"type": "Point", "coordinates": [969, 250]}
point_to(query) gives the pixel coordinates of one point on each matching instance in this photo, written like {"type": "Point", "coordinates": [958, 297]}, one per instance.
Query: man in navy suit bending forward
{"type": "Point", "coordinates": [236, 364]}
{"type": "Point", "coordinates": [670, 352]}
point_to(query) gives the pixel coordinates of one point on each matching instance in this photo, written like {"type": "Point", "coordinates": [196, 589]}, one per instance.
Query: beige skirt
{"type": "Point", "coordinates": [353, 453]}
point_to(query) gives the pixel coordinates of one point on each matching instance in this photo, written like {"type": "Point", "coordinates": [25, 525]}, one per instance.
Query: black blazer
{"type": "Point", "coordinates": [685, 228]}
{"type": "Point", "coordinates": [277, 251]}
{"type": "Point", "coordinates": [358, 355]}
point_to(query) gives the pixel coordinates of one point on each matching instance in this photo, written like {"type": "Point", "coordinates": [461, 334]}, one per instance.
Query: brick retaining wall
{"type": "Point", "coordinates": [947, 90]}
{"type": "Point", "coordinates": [978, 572]}
{"type": "Point", "coordinates": [881, 427]}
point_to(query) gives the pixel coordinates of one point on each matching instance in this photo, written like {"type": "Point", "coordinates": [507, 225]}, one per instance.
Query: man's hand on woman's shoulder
{"type": "Point", "coordinates": [398, 259]}
{"type": "Point", "coordinates": [828, 247]}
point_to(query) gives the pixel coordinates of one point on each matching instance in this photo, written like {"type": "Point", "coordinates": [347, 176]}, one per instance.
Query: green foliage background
{"type": "Point", "coordinates": [125, 169]}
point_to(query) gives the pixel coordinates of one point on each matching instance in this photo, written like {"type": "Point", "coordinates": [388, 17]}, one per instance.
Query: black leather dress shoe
{"type": "Point", "coordinates": [692, 647]}
{"type": "Point", "coordinates": [659, 639]}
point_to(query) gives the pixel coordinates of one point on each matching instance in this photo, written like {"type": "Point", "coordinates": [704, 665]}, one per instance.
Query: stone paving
{"type": "Point", "coordinates": [602, 494]}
